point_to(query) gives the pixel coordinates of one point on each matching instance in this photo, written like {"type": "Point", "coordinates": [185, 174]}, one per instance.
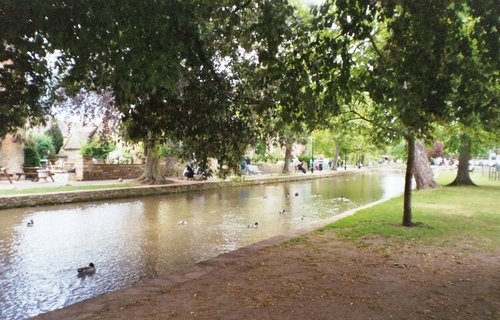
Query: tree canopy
{"type": "Point", "coordinates": [220, 75]}
{"type": "Point", "coordinates": [24, 71]}
{"type": "Point", "coordinates": [187, 70]}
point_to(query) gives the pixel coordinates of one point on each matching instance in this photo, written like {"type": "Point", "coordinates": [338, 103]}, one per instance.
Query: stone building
{"type": "Point", "coordinates": [12, 152]}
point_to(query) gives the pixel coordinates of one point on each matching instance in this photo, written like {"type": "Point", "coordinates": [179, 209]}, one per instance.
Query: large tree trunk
{"type": "Point", "coordinates": [336, 154]}
{"type": "Point", "coordinates": [422, 171]}
{"type": "Point", "coordinates": [408, 179]}
{"type": "Point", "coordinates": [288, 155]}
{"type": "Point", "coordinates": [152, 171]}
{"type": "Point", "coordinates": [463, 177]}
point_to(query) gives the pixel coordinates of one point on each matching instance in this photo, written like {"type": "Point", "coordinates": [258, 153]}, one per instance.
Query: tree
{"type": "Point", "coordinates": [182, 70]}
{"type": "Point", "coordinates": [475, 91]}
{"type": "Point", "coordinates": [424, 177]}
{"type": "Point", "coordinates": [24, 71]}
{"type": "Point", "coordinates": [410, 79]}
{"type": "Point", "coordinates": [54, 132]}
{"type": "Point", "coordinates": [44, 145]}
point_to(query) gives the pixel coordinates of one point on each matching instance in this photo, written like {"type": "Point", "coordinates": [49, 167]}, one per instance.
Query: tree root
{"type": "Point", "coordinates": [154, 180]}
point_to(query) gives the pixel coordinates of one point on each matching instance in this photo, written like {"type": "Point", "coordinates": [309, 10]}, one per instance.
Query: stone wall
{"type": "Point", "coordinates": [12, 153]}
{"type": "Point", "coordinates": [33, 200]}
{"type": "Point", "coordinates": [92, 171]}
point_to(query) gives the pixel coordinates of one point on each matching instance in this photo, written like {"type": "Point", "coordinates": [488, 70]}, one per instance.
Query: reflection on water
{"type": "Point", "coordinates": [133, 240]}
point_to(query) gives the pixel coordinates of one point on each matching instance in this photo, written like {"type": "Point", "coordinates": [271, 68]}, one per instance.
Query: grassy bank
{"type": "Point", "coordinates": [68, 188]}
{"type": "Point", "coordinates": [444, 216]}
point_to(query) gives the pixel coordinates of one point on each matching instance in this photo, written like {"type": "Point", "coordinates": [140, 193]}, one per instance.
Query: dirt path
{"type": "Point", "coordinates": [318, 276]}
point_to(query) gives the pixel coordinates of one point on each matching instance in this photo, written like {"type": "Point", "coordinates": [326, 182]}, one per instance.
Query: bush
{"type": "Point", "coordinates": [44, 146]}
{"type": "Point", "coordinates": [305, 159]}
{"type": "Point", "coordinates": [57, 137]}
{"type": "Point", "coordinates": [97, 148]}
{"type": "Point", "coordinates": [31, 156]}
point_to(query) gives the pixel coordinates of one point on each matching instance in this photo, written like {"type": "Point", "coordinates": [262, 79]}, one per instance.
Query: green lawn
{"type": "Point", "coordinates": [443, 216]}
{"type": "Point", "coordinates": [48, 189]}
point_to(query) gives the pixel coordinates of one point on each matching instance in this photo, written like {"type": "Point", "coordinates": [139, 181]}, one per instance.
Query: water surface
{"type": "Point", "coordinates": [137, 239]}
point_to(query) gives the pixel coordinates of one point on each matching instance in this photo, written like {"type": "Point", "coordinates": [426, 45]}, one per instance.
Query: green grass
{"type": "Point", "coordinates": [47, 189]}
{"type": "Point", "coordinates": [479, 177]}
{"type": "Point", "coordinates": [300, 240]}
{"type": "Point", "coordinates": [443, 216]}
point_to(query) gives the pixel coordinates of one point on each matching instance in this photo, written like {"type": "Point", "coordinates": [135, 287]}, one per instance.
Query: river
{"type": "Point", "coordinates": [137, 239]}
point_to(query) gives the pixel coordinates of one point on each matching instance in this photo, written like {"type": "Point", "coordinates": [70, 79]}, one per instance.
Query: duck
{"type": "Point", "coordinates": [255, 225]}
{"type": "Point", "coordinates": [296, 194]}
{"type": "Point", "coordinates": [30, 223]}
{"type": "Point", "coordinates": [302, 217]}
{"type": "Point", "coordinates": [282, 212]}
{"type": "Point", "coordinates": [86, 270]}
{"type": "Point", "coordinates": [342, 199]}
{"type": "Point", "coordinates": [181, 222]}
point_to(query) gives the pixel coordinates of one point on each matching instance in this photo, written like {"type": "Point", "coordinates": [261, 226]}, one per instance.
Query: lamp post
{"type": "Point", "coordinates": [345, 160]}
{"type": "Point", "coordinates": [312, 153]}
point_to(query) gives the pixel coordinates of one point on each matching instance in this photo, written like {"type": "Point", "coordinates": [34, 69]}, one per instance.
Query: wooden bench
{"type": "Point", "coordinates": [32, 174]}
{"type": "Point", "coordinates": [4, 173]}
{"type": "Point", "coordinates": [29, 173]}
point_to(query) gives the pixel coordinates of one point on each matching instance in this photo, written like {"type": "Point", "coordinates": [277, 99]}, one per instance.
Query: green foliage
{"type": "Point", "coordinates": [44, 145]}
{"type": "Point", "coordinates": [260, 148]}
{"type": "Point", "coordinates": [162, 61]}
{"type": "Point", "coordinates": [324, 143]}
{"type": "Point", "coordinates": [263, 156]}
{"type": "Point", "coordinates": [24, 75]}
{"type": "Point", "coordinates": [221, 79]}
{"type": "Point", "coordinates": [306, 159]}
{"type": "Point", "coordinates": [31, 156]}
{"type": "Point", "coordinates": [57, 137]}
{"type": "Point", "coordinates": [97, 148]}
{"type": "Point", "coordinates": [170, 149]}
{"type": "Point", "coordinates": [398, 150]}
{"type": "Point", "coordinates": [267, 157]}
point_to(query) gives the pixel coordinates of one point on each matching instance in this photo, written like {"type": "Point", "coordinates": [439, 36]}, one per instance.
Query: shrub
{"type": "Point", "coordinates": [44, 146]}
{"type": "Point", "coordinates": [305, 159]}
{"type": "Point", "coordinates": [97, 148]}
{"type": "Point", "coordinates": [57, 137]}
{"type": "Point", "coordinates": [31, 156]}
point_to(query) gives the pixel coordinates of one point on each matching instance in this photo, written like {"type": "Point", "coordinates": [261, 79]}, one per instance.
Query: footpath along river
{"type": "Point", "coordinates": [137, 239]}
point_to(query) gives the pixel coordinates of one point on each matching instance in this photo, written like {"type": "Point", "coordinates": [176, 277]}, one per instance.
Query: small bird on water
{"type": "Point", "coordinates": [255, 225]}
{"type": "Point", "coordinates": [30, 223]}
{"type": "Point", "coordinates": [86, 270]}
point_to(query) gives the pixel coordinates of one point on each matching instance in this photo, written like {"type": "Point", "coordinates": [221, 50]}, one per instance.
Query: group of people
{"type": "Point", "coordinates": [191, 169]}
{"type": "Point", "coordinates": [300, 167]}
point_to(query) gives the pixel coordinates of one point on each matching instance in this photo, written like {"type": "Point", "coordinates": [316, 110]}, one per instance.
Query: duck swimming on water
{"type": "Point", "coordinates": [344, 199]}
{"type": "Point", "coordinates": [86, 270]}
{"type": "Point", "coordinates": [255, 225]}
{"type": "Point", "coordinates": [30, 223]}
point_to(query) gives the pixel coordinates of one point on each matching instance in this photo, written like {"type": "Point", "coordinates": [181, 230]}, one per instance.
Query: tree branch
{"type": "Point", "coordinates": [377, 50]}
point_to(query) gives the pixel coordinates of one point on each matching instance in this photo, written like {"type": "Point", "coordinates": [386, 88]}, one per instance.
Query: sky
{"type": "Point", "coordinates": [312, 2]}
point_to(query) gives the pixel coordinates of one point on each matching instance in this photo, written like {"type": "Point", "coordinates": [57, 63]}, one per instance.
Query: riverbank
{"type": "Point", "coordinates": [363, 267]}
{"type": "Point", "coordinates": [49, 193]}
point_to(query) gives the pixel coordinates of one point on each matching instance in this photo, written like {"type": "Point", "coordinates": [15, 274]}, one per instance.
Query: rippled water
{"type": "Point", "coordinates": [133, 240]}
